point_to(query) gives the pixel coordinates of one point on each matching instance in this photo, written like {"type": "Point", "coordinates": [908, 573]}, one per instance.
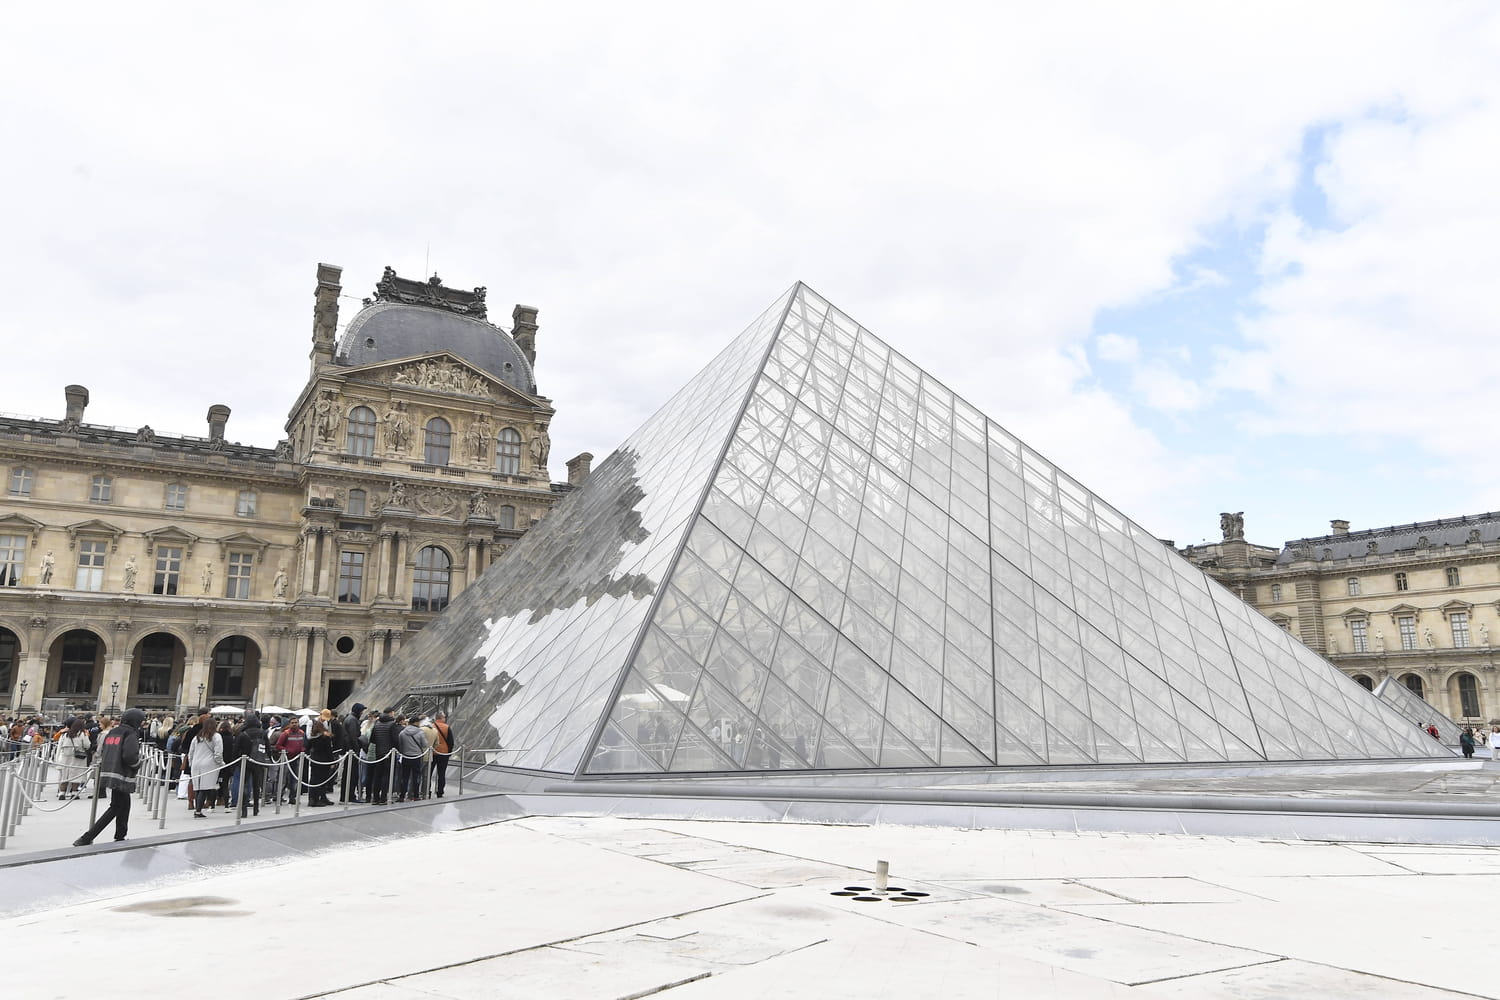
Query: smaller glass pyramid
{"type": "Point", "coordinates": [816, 556]}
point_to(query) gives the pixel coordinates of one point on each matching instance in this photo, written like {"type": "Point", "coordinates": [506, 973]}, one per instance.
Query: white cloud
{"type": "Point", "coordinates": [1115, 347]}
{"type": "Point", "coordinates": [972, 183]}
{"type": "Point", "coordinates": [1158, 387]}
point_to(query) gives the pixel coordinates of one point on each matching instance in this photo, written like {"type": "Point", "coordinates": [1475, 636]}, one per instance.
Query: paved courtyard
{"type": "Point", "coordinates": [577, 907]}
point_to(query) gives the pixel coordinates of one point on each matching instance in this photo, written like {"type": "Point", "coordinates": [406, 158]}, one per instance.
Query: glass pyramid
{"type": "Point", "coordinates": [1416, 710]}
{"type": "Point", "coordinates": [817, 556]}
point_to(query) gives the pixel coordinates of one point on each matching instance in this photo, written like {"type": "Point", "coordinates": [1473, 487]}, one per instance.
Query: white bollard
{"type": "Point", "coordinates": [882, 875]}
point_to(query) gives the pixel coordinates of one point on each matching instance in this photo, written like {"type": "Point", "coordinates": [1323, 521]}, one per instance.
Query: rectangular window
{"type": "Point", "coordinates": [245, 505]}
{"type": "Point", "coordinates": [1361, 632]}
{"type": "Point", "coordinates": [1452, 574]}
{"type": "Point", "coordinates": [20, 482]}
{"type": "Point", "coordinates": [237, 583]}
{"type": "Point", "coordinates": [1400, 581]}
{"type": "Point", "coordinates": [176, 496]}
{"type": "Point", "coordinates": [356, 506]}
{"type": "Point", "coordinates": [12, 559]}
{"type": "Point", "coordinates": [90, 566]}
{"type": "Point", "coordinates": [101, 489]}
{"type": "Point", "coordinates": [1354, 586]}
{"type": "Point", "coordinates": [351, 576]}
{"type": "Point", "coordinates": [155, 675]}
{"type": "Point", "coordinates": [168, 570]}
{"type": "Point", "coordinates": [1408, 626]}
{"type": "Point", "coordinates": [1460, 622]}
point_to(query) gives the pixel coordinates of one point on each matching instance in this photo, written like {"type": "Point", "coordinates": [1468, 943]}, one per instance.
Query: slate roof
{"type": "Point", "coordinates": [1452, 531]}
{"type": "Point", "coordinates": [385, 331]}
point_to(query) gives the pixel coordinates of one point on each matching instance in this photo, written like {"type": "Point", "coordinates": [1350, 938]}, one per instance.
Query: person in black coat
{"type": "Point", "coordinates": [119, 758]}
{"type": "Point", "coordinates": [382, 742]}
{"type": "Point", "coordinates": [251, 744]}
{"type": "Point", "coordinates": [320, 767]}
{"type": "Point", "coordinates": [349, 726]}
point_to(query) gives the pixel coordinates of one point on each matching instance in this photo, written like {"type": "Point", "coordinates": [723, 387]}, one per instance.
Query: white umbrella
{"type": "Point", "coordinates": [647, 698]}
{"type": "Point", "coordinates": [226, 710]}
{"type": "Point", "coordinates": [275, 710]}
{"type": "Point", "coordinates": [308, 712]}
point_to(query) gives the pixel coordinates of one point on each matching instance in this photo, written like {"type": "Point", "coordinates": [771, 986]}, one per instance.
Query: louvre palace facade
{"type": "Point", "coordinates": [166, 572]}
{"type": "Point", "coordinates": [1416, 602]}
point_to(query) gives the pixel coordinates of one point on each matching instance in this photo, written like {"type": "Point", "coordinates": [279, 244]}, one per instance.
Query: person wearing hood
{"type": "Point", "coordinates": [251, 744]}
{"type": "Point", "coordinates": [382, 742]}
{"type": "Point", "coordinates": [349, 789]}
{"type": "Point", "coordinates": [120, 755]}
{"type": "Point", "coordinates": [412, 746]}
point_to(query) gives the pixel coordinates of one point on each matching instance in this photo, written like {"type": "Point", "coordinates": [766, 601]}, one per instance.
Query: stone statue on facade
{"type": "Point", "coordinates": [208, 576]}
{"type": "Point", "coordinates": [145, 435]}
{"type": "Point", "coordinates": [477, 438]}
{"type": "Point", "coordinates": [479, 505]}
{"type": "Point", "coordinates": [48, 564]}
{"type": "Point", "coordinates": [278, 586]}
{"type": "Point", "coordinates": [541, 447]}
{"type": "Point", "coordinates": [1473, 536]}
{"type": "Point", "coordinates": [325, 417]}
{"type": "Point", "coordinates": [1333, 645]}
{"type": "Point", "coordinates": [397, 427]}
{"type": "Point", "coordinates": [1372, 547]}
{"type": "Point", "coordinates": [1379, 641]}
{"type": "Point", "coordinates": [284, 449]}
{"type": "Point", "coordinates": [1428, 638]}
{"type": "Point", "coordinates": [130, 572]}
{"type": "Point", "coordinates": [1232, 525]}
{"type": "Point", "coordinates": [397, 495]}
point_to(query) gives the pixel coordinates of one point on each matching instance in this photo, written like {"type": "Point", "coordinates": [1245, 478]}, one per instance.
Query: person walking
{"type": "Point", "coordinates": [1466, 741]}
{"type": "Point", "coordinates": [1495, 743]}
{"type": "Point", "coordinates": [71, 753]}
{"type": "Point", "coordinates": [442, 750]}
{"type": "Point", "coordinates": [118, 759]}
{"type": "Point", "coordinates": [205, 762]}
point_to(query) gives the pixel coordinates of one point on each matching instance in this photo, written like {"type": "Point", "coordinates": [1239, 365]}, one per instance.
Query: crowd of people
{"type": "Point", "coordinates": [389, 755]}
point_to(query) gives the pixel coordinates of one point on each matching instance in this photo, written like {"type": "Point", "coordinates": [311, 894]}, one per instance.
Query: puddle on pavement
{"type": "Point", "coordinates": [185, 906]}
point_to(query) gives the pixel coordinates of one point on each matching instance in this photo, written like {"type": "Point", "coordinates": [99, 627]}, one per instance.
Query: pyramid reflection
{"type": "Point", "coordinates": [816, 556]}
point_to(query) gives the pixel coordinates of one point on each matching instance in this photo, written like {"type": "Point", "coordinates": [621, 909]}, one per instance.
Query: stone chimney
{"type": "Point", "coordinates": [78, 398]}
{"type": "Point", "coordinates": [325, 315]}
{"type": "Point", "coordinates": [524, 334]}
{"type": "Point", "coordinates": [218, 416]}
{"type": "Point", "coordinates": [578, 468]}
{"type": "Point", "coordinates": [1339, 527]}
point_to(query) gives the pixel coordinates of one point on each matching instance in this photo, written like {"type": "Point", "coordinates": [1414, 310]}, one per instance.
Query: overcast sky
{"type": "Point", "coordinates": [1205, 256]}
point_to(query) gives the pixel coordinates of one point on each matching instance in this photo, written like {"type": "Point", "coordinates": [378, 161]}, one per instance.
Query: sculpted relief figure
{"type": "Point", "coordinates": [397, 495]}
{"type": "Point", "coordinates": [130, 572]}
{"type": "Point", "coordinates": [541, 447]}
{"type": "Point", "coordinates": [325, 417]}
{"type": "Point", "coordinates": [397, 427]}
{"type": "Point", "coordinates": [1232, 525]}
{"type": "Point", "coordinates": [477, 438]}
{"type": "Point", "coordinates": [278, 586]}
{"type": "Point", "coordinates": [145, 435]}
{"type": "Point", "coordinates": [479, 505]}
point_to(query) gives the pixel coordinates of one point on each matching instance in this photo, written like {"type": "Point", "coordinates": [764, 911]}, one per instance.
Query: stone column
{"type": "Point", "coordinates": [195, 671]}
{"type": "Point", "coordinates": [325, 560]}
{"type": "Point", "coordinates": [377, 649]}
{"type": "Point", "coordinates": [33, 664]}
{"type": "Point", "coordinates": [471, 564]}
{"type": "Point", "coordinates": [401, 592]}
{"type": "Point", "coordinates": [117, 671]}
{"type": "Point", "coordinates": [273, 670]}
{"type": "Point", "coordinates": [309, 565]}
{"type": "Point", "coordinates": [295, 669]}
{"type": "Point", "coordinates": [382, 567]}
{"type": "Point", "coordinates": [319, 640]}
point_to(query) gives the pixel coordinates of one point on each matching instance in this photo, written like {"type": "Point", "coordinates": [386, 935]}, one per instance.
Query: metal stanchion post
{"type": "Point", "coordinates": [345, 787]}
{"type": "Point", "coordinates": [94, 799]}
{"type": "Point", "coordinates": [4, 805]}
{"type": "Point", "coordinates": [240, 804]}
{"type": "Point", "coordinates": [168, 793]}
{"type": "Point", "coordinates": [280, 780]}
{"type": "Point", "coordinates": [460, 773]}
{"type": "Point", "coordinates": [390, 785]}
{"type": "Point", "coordinates": [301, 773]}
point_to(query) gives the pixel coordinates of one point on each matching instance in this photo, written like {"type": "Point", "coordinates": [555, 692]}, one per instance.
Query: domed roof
{"type": "Point", "coordinates": [385, 331]}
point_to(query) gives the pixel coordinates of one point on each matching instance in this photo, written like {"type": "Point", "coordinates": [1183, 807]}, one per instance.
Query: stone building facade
{"type": "Point", "coordinates": [162, 571]}
{"type": "Point", "coordinates": [1418, 602]}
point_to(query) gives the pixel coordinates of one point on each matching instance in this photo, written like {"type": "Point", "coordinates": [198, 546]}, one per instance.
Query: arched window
{"type": "Point", "coordinates": [1413, 684]}
{"type": "Point", "coordinates": [438, 441]}
{"type": "Point", "coordinates": [356, 503]}
{"type": "Point", "coordinates": [1468, 695]}
{"type": "Point", "coordinates": [1354, 586]}
{"type": "Point", "coordinates": [228, 680]}
{"type": "Point", "coordinates": [80, 655]}
{"type": "Point", "coordinates": [10, 646]}
{"type": "Point", "coordinates": [1367, 683]}
{"type": "Point", "coordinates": [429, 582]}
{"type": "Point", "coordinates": [1452, 576]}
{"type": "Point", "coordinates": [508, 452]}
{"type": "Point", "coordinates": [508, 518]}
{"type": "Point", "coordinates": [359, 438]}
